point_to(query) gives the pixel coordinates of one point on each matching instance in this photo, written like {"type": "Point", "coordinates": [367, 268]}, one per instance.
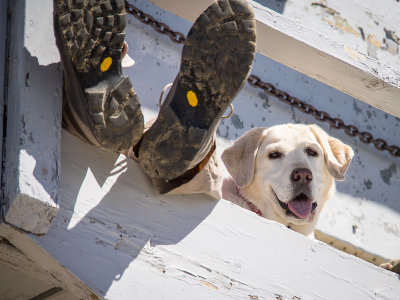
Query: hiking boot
{"type": "Point", "coordinates": [216, 60]}
{"type": "Point", "coordinates": [101, 105]}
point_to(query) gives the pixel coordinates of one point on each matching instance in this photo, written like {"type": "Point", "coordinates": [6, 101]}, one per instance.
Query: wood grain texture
{"type": "Point", "coordinates": [122, 238]}
{"type": "Point", "coordinates": [19, 252]}
{"type": "Point", "coordinates": [315, 55]}
{"type": "Point", "coordinates": [32, 144]}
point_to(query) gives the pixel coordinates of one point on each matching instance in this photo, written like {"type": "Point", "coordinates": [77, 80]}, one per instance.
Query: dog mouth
{"type": "Point", "coordinates": [299, 207]}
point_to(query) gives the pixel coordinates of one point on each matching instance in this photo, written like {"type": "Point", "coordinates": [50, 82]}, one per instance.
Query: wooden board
{"type": "Point", "coordinates": [122, 238]}
{"type": "Point", "coordinates": [34, 266]}
{"type": "Point", "coordinates": [3, 27]}
{"type": "Point", "coordinates": [313, 54]}
{"type": "Point", "coordinates": [32, 144]}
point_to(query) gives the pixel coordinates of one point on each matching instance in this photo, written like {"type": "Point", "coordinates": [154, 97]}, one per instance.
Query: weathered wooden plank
{"type": "Point", "coordinates": [32, 144]}
{"type": "Point", "coordinates": [19, 252]}
{"type": "Point", "coordinates": [3, 29]}
{"type": "Point", "coordinates": [368, 26]}
{"type": "Point", "coordinates": [18, 286]}
{"type": "Point", "coordinates": [132, 241]}
{"type": "Point", "coordinates": [21, 279]}
{"type": "Point", "coordinates": [12, 258]}
{"type": "Point", "coordinates": [314, 55]}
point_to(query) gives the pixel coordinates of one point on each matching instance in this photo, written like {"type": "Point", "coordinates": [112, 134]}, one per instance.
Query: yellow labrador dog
{"type": "Point", "coordinates": [285, 173]}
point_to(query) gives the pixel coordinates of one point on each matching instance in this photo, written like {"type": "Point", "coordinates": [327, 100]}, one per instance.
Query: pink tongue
{"type": "Point", "coordinates": [300, 207]}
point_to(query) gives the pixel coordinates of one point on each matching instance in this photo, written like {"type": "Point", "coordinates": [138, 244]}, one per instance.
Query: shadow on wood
{"type": "Point", "coordinates": [107, 216]}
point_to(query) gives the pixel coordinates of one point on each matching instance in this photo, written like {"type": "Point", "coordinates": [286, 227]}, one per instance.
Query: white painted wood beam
{"type": "Point", "coordinates": [17, 285]}
{"type": "Point", "coordinates": [34, 101]}
{"type": "Point", "coordinates": [3, 28]}
{"type": "Point", "coordinates": [20, 252]}
{"type": "Point", "coordinates": [122, 238]}
{"type": "Point", "coordinates": [21, 278]}
{"type": "Point", "coordinates": [12, 258]}
{"type": "Point", "coordinates": [313, 54]}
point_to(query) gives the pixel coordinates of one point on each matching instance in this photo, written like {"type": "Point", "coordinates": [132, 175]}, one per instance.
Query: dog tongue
{"type": "Point", "coordinates": [301, 207]}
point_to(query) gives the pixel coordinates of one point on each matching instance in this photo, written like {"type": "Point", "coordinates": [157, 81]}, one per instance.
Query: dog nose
{"type": "Point", "coordinates": [301, 175]}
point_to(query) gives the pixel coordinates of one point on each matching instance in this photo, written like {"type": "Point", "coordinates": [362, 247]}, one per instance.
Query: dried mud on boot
{"type": "Point", "coordinates": [101, 101]}
{"type": "Point", "coordinates": [216, 60]}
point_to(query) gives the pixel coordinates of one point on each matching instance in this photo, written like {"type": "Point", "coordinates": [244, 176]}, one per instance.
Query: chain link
{"type": "Point", "coordinates": [175, 36]}
{"type": "Point", "coordinates": [269, 89]}
{"type": "Point", "coordinates": [322, 116]}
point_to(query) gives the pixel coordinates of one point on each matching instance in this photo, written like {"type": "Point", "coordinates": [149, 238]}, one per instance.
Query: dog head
{"type": "Point", "coordinates": [288, 171]}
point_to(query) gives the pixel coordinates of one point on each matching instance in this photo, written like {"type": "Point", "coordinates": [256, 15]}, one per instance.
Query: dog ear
{"type": "Point", "coordinates": [239, 158]}
{"type": "Point", "coordinates": [337, 154]}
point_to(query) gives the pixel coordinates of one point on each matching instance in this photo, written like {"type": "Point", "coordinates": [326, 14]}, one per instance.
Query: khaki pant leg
{"type": "Point", "coordinates": [208, 181]}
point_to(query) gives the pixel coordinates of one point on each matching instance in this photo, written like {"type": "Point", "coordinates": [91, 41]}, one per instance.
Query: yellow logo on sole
{"type": "Point", "coordinates": [192, 98]}
{"type": "Point", "coordinates": [106, 64]}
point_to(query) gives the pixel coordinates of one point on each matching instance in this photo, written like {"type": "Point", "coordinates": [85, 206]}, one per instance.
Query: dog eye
{"type": "Point", "coordinates": [311, 152]}
{"type": "Point", "coordinates": [275, 155]}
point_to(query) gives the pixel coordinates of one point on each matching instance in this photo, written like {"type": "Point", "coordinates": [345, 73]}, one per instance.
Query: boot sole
{"type": "Point", "coordinates": [216, 60]}
{"type": "Point", "coordinates": [90, 36]}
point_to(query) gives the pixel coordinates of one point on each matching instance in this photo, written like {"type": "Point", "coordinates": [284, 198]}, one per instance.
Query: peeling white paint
{"type": "Point", "coordinates": [376, 230]}
{"type": "Point", "coordinates": [33, 129]}
{"type": "Point", "coordinates": [137, 242]}
{"type": "Point", "coordinates": [37, 22]}
{"type": "Point", "coordinates": [315, 52]}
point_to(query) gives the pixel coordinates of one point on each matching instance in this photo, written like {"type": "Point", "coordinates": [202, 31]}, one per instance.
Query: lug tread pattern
{"type": "Point", "coordinates": [117, 115]}
{"type": "Point", "coordinates": [89, 32]}
{"type": "Point", "coordinates": [83, 22]}
{"type": "Point", "coordinates": [216, 60]}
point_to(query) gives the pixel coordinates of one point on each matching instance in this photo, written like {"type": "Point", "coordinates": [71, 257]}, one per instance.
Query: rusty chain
{"type": "Point", "coordinates": [322, 116]}
{"type": "Point", "coordinates": [175, 36]}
